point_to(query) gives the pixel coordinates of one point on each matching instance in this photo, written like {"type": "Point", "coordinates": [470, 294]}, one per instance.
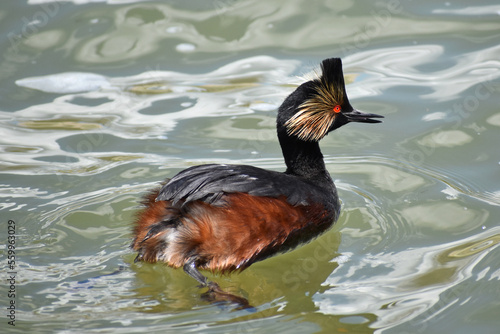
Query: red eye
{"type": "Point", "coordinates": [337, 109]}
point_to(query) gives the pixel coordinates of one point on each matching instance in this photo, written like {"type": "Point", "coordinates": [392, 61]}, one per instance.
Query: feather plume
{"type": "Point", "coordinates": [316, 115]}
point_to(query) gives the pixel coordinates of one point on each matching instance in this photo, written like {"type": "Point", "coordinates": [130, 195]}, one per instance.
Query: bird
{"type": "Point", "coordinates": [225, 217]}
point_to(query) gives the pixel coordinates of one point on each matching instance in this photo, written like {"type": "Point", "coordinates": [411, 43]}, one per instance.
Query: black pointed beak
{"type": "Point", "coordinates": [362, 117]}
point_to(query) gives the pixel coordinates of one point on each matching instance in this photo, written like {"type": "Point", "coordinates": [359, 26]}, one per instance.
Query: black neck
{"type": "Point", "coordinates": [302, 158]}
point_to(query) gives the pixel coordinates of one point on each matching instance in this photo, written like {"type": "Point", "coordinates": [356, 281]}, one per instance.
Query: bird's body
{"type": "Point", "coordinates": [225, 217]}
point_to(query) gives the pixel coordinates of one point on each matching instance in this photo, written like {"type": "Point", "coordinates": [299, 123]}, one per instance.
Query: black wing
{"type": "Point", "coordinates": [209, 183]}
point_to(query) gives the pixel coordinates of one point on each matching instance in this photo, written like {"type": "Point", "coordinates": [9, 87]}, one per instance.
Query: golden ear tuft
{"type": "Point", "coordinates": [316, 115]}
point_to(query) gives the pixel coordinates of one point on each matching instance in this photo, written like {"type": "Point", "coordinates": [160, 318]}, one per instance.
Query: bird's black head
{"type": "Point", "coordinates": [319, 106]}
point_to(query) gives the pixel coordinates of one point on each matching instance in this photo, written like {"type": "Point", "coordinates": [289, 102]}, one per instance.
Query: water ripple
{"type": "Point", "coordinates": [73, 129]}
{"type": "Point", "coordinates": [432, 270]}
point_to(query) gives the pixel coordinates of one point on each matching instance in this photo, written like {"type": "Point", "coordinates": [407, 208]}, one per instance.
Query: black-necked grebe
{"type": "Point", "coordinates": [225, 217]}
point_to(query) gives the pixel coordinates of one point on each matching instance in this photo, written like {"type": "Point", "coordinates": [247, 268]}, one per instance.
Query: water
{"type": "Point", "coordinates": [100, 101]}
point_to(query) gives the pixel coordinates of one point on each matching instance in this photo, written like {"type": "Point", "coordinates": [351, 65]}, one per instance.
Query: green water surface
{"type": "Point", "coordinates": [101, 100]}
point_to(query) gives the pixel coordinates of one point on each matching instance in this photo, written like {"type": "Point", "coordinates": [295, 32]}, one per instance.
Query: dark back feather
{"type": "Point", "coordinates": [209, 183]}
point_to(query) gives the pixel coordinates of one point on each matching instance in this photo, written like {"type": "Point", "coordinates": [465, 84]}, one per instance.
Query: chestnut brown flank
{"type": "Point", "coordinates": [225, 238]}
